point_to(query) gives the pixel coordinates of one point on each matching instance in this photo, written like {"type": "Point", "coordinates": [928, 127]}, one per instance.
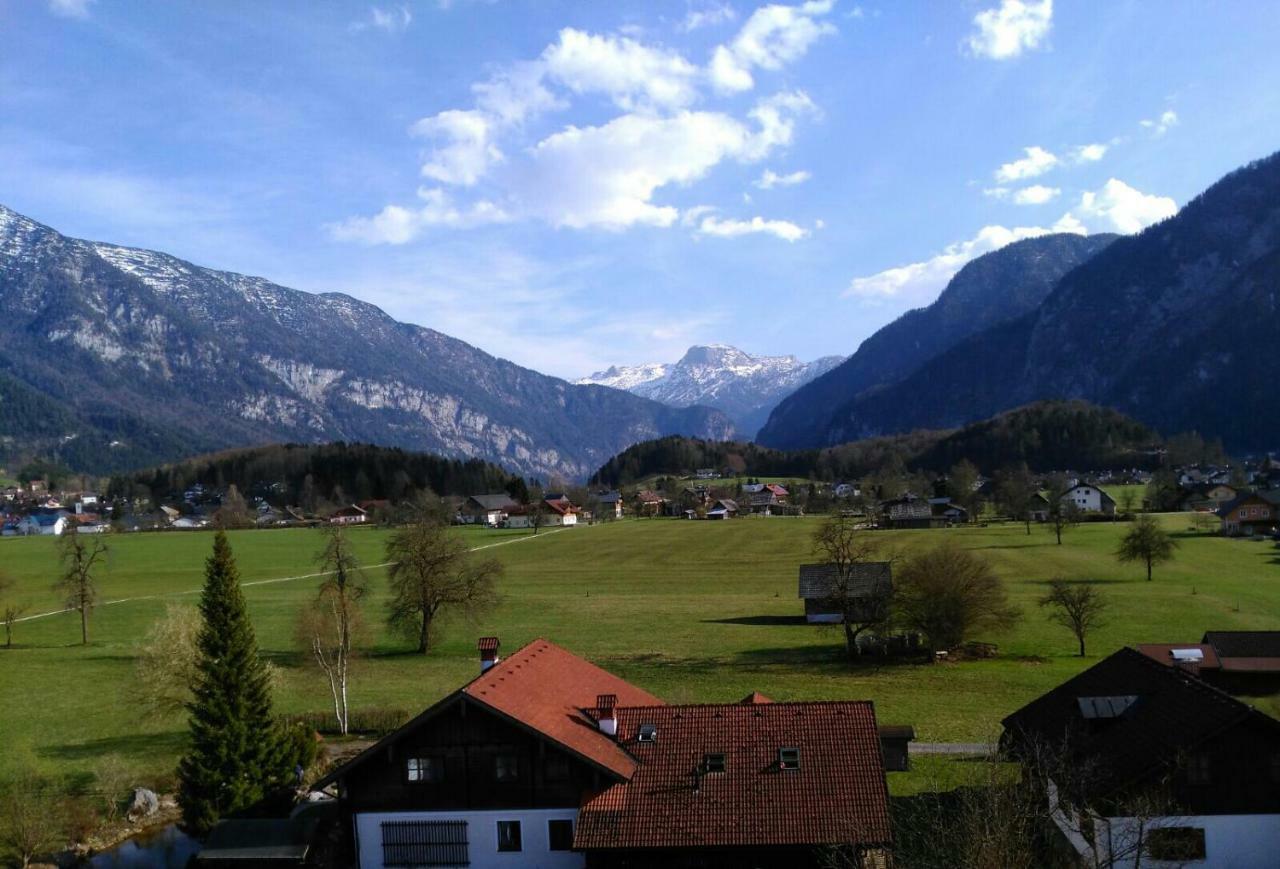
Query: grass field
{"type": "Point", "coordinates": [689, 610]}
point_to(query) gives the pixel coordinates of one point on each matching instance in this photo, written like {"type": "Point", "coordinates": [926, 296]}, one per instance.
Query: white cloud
{"type": "Point", "coordinates": [469, 150]}
{"type": "Point", "coordinates": [920, 283]}
{"type": "Point", "coordinates": [996, 192]}
{"type": "Point", "coordinates": [395, 19]}
{"type": "Point", "coordinates": [1089, 153]}
{"type": "Point", "coordinates": [772, 37]}
{"type": "Point", "coordinates": [691, 216]}
{"type": "Point", "coordinates": [1037, 162]}
{"type": "Point", "coordinates": [628, 71]}
{"type": "Point", "coordinates": [1161, 125]}
{"type": "Point", "coordinates": [770, 179]}
{"type": "Point", "coordinates": [398, 225]}
{"type": "Point", "coordinates": [1010, 29]}
{"type": "Point", "coordinates": [1117, 207]}
{"type": "Point", "coordinates": [783, 229]}
{"type": "Point", "coordinates": [708, 16]}
{"type": "Point", "coordinates": [1036, 194]}
{"type": "Point", "coordinates": [71, 8]}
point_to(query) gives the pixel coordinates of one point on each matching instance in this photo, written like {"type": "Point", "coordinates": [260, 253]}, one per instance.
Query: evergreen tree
{"type": "Point", "coordinates": [236, 758]}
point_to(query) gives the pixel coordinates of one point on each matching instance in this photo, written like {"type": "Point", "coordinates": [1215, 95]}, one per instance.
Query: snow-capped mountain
{"type": "Point", "coordinates": [744, 387]}
{"type": "Point", "coordinates": [134, 356]}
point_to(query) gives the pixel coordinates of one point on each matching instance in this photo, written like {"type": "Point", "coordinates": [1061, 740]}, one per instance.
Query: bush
{"type": "Point", "coordinates": [373, 721]}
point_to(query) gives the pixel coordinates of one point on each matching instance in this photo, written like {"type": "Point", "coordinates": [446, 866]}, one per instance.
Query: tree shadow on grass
{"type": "Point", "coordinates": [1083, 581]}
{"type": "Point", "coordinates": [129, 745]}
{"type": "Point", "coordinates": [765, 621]}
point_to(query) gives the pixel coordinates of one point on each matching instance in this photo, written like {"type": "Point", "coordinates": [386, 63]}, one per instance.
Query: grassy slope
{"type": "Point", "coordinates": [689, 610]}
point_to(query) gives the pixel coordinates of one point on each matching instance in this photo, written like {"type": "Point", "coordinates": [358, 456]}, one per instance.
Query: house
{"type": "Point", "coordinates": [546, 760]}
{"type": "Point", "coordinates": [189, 523]}
{"type": "Point", "coordinates": [1089, 498]}
{"type": "Point", "coordinates": [1250, 514]}
{"type": "Point", "coordinates": [847, 490]}
{"type": "Point", "coordinates": [723, 508]}
{"type": "Point", "coordinates": [1250, 660]}
{"type": "Point", "coordinates": [764, 502]}
{"type": "Point", "coordinates": [349, 515]}
{"type": "Point", "coordinates": [910, 512]}
{"type": "Point", "coordinates": [649, 503]}
{"type": "Point", "coordinates": [486, 509]}
{"type": "Point", "coordinates": [706, 473]}
{"type": "Point", "coordinates": [872, 581]}
{"type": "Point", "coordinates": [947, 510]}
{"type": "Point", "coordinates": [45, 524]}
{"type": "Point", "coordinates": [610, 504]}
{"type": "Point", "coordinates": [1038, 508]}
{"type": "Point", "coordinates": [1207, 497]}
{"type": "Point", "coordinates": [1162, 766]}
{"type": "Point", "coordinates": [752, 488]}
{"type": "Point", "coordinates": [779, 492]}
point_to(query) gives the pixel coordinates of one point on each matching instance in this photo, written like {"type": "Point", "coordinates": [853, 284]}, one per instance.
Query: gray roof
{"type": "Point", "coordinates": [818, 580]}
{"type": "Point", "coordinates": [500, 501]}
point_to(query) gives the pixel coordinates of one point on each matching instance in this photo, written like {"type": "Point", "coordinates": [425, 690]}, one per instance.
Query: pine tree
{"type": "Point", "coordinates": [236, 757]}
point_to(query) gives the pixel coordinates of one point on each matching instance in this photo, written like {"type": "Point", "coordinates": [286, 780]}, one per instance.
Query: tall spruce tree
{"type": "Point", "coordinates": [236, 756]}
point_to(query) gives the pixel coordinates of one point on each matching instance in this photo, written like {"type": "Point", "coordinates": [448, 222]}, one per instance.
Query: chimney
{"type": "Point", "coordinates": [606, 715]}
{"type": "Point", "coordinates": [488, 653]}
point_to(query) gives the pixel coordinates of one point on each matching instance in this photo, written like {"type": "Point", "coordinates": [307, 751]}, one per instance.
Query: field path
{"type": "Point", "coordinates": [274, 580]}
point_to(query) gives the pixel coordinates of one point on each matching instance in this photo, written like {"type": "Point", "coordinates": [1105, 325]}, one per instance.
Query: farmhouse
{"type": "Point", "coordinates": [1089, 498]}
{"type": "Point", "coordinates": [1038, 508]}
{"type": "Point", "coordinates": [1250, 514]}
{"type": "Point", "coordinates": [547, 760]}
{"type": "Point", "coordinates": [1128, 730]}
{"type": "Point", "coordinates": [48, 524]}
{"type": "Point", "coordinates": [485, 509]}
{"type": "Point", "coordinates": [649, 503]}
{"type": "Point", "coordinates": [610, 504]}
{"type": "Point", "coordinates": [910, 511]}
{"type": "Point", "coordinates": [723, 508]}
{"type": "Point", "coordinates": [869, 585]}
{"type": "Point", "coordinates": [349, 515]}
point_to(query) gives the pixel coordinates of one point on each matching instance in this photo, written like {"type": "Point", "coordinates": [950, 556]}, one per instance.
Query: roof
{"type": "Point", "coordinates": [498, 501]}
{"type": "Point", "coordinates": [1163, 652]}
{"type": "Point", "coordinates": [837, 796]}
{"type": "Point", "coordinates": [1244, 644]}
{"type": "Point", "coordinates": [817, 581]}
{"type": "Point", "coordinates": [649, 497]}
{"type": "Point", "coordinates": [1272, 498]}
{"type": "Point", "coordinates": [255, 841]}
{"type": "Point", "coordinates": [1101, 491]}
{"type": "Point", "coordinates": [564, 508]}
{"type": "Point", "coordinates": [897, 731]}
{"type": "Point", "coordinates": [1173, 712]}
{"type": "Point", "coordinates": [776, 489]}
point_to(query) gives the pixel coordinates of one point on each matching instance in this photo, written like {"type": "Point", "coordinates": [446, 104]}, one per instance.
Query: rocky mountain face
{"type": "Point", "coordinates": [993, 288]}
{"type": "Point", "coordinates": [1175, 326]}
{"type": "Point", "coordinates": [745, 387]}
{"type": "Point", "coordinates": [123, 357]}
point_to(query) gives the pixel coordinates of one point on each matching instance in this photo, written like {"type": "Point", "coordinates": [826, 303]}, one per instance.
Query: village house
{"type": "Point", "coordinates": [555, 512]}
{"type": "Point", "coordinates": [1089, 498]}
{"type": "Point", "coordinates": [948, 510]}
{"type": "Point", "coordinates": [1250, 514]}
{"type": "Point", "coordinates": [486, 509]}
{"type": "Point", "coordinates": [909, 511]}
{"type": "Point", "coordinates": [546, 760]}
{"type": "Point", "coordinates": [610, 504]}
{"type": "Point", "coordinates": [649, 503]}
{"type": "Point", "coordinates": [349, 515]}
{"type": "Point", "coordinates": [870, 581]}
{"type": "Point", "coordinates": [1209, 497]}
{"type": "Point", "coordinates": [45, 523]}
{"type": "Point", "coordinates": [1244, 662]}
{"type": "Point", "coordinates": [1038, 508]}
{"type": "Point", "coordinates": [723, 508]}
{"type": "Point", "coordinates": [1155, 764]}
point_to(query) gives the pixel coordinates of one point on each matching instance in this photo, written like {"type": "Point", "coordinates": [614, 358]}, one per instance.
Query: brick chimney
{"type": "Point", "coordinates": [606, 713]}
{"type": "Point", "coordinates": [488, 653]}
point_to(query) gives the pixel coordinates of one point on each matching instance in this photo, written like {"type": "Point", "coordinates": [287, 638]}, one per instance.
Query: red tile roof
{"type": "Point", "coordinates": [548, 689]}
{"type": "Point", "coordinates": [755, 697]}
{"type": "Point", "coordinates": [1163, 652]}
{"type": "Point", "coordinates": [837, 796]}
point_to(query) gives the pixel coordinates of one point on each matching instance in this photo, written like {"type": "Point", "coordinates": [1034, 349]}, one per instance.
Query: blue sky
{"type": "Point", "coordinates": [571, 185]}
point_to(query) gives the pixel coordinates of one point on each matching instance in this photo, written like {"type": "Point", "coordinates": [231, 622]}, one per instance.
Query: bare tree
{"type": "Point", "coordinates": [80, 558]}
{"type": "Point", "coordinates": [30, 823]}
{"type": "Point", "coordinates": [1077, 607]}
{"type": "Point", "coordinates": [962, 486]}
{"type": "Point", "coordinates": [166, 663]}
{"type": "Point", "coordinates": [330, 625]}
{"type": "Point", "coordinates": [1015, 490]}
{"type": "Point", "coordinates": [431, 573]}
{"type": "Point", "coordinates": [847, 550]}
{"type": "Point", "coordinates": [1146, 542]}
{"type": "Point", "coordinates": [1128, 500]}
{"type": "Point", "coordinates": [1063, 512]}
{"type": "Point", "coordinates": [948, 593]}
{"type": "Point", "coordinates": [10, 610]}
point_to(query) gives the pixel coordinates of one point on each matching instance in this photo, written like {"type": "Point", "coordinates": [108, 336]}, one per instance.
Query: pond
{"type": "Point", "coordinates": [159, 849]}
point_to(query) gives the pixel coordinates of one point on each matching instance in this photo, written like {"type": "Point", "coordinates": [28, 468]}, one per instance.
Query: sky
{"type": "Point", "coordinates": [572, 185]}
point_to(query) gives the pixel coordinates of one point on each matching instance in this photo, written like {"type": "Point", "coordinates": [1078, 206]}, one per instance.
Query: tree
{"type": "Point", "coordinates": [1163, 492]}
{"type": "Point", "coordinates": [1078, 607]}
{"type": "Point", "coordinates": [537, 508]}
{"type": "Point", "coordinates": [1127, 501]}
{"type": "Point", "coordinates": [233, 512]}
{"type": "Point", "coordinates": [432, 573]}
{"type": "Point", "coordinates": [948, 593]}
{"type": "Point", "coordinates": [10, 610]}
{"type": "Point", "coordinates": [78, 584]}
{"type": "Point", "coordinates": [846, 551]}
{"type": "Point", "coordinates": [962, 486]}
{"type": "Point", "coordinates": [329, 625]}
{"type": "Point", "coordinates": [1063, 512]}
{"type": "Point", "coordinates": [30, 823]}
{"type": "Point", "coordinates": [1146, 542]}
{"type": "Point", "coordinates": [235, 757]}
{"type": "Point", "coordinates": [167, 663]}
{"type": "Point", "coordinates": [1015, 489]}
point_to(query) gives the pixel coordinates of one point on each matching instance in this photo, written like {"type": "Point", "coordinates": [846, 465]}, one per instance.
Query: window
{"type": "Point", "coordinates": [427, 770]}
{"type": "Point", "coordinates": [424, 843]}
{"type": "Point", "coordinates": [560, 835]}
{"type": "Point", "coordinates": [509, 836]}
{"type": "Point", "coordinates": [1198, 769]}
{"type": "Point", "coordinates": [506, 767]}
{"type": "Point", "coordinates": [789, 758]}
{"type": "Point", "coordinates": [1176, 843]}
{"type": "Point", "coordinates": [647, 733]}
{"type": "Point", "coordinates": [715, 762]}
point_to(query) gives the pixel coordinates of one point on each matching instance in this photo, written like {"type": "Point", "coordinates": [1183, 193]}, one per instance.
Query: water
{"type": "Point", "coordinates": [161, 849]}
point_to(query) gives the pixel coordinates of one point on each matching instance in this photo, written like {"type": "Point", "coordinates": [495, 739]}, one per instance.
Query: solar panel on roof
{"type": "Point", "coordinates": [1105, 707]}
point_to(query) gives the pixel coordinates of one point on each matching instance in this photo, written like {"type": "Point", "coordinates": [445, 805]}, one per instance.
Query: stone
{"type": "Point", "coordinates": [145, 803]}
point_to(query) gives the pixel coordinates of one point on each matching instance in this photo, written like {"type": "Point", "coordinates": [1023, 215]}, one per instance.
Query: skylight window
{"type": "Point", "coordinates": [648, 733]}
{"type": "Point", "coordinates": [789, 758]}
{"type": "Point", "coordinates": [1100, 708]}
{"type": "Point", "coordinates": [715, 762]}
{"type": "Point", "coordinates": [1188, 655]}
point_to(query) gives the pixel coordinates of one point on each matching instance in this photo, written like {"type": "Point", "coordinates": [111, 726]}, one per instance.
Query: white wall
{"type": "Point", "coordinates": [482, 837]}
{"type": "Point", "coordinates": [1230, 841]}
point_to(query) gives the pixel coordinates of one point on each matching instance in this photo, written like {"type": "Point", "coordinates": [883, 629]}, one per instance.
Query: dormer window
{"type": "Point", "coordinates": [647, 733]}
{"type": "Point", "coordinates": [714, 762]}
{"type": "Point", "coordinates": [788, 758]}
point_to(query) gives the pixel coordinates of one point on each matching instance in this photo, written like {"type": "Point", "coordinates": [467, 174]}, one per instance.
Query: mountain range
{"type": "Point", "coordinates": [745, 387]}
{"type": "Point", "coordinates": [113, 358]}
{"type": "Point", "coordinates": [1174, 326]}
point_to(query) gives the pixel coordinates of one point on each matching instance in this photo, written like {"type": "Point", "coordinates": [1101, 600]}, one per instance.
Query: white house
{"type": "Point", "coordinates": [45, 524]}
{"type": "Point", "coordinates": [1089, 498]}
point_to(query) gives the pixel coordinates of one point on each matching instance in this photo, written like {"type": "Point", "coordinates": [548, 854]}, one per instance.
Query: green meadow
{"type": "Point", "coordinates": [693, 611]}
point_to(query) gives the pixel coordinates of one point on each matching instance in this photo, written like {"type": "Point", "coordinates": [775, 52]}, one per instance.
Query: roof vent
{"type": "Point", "coordinates": [606, 713]}
{"type": "Point", "coordinates": [647, 733]}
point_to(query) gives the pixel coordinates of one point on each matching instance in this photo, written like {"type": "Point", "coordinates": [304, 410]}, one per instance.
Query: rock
{"type": "Point", "coordinates": [145, 803]}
